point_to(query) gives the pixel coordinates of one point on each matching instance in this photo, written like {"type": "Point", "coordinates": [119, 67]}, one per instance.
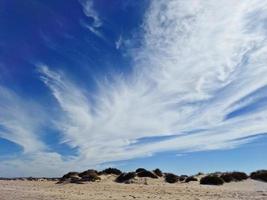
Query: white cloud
{"type": "Point", "coordinates": [19, 122]}
{"type": "Point", "coordinates": [199, 61]}
{"type": "Point", "coordinates": [89, 11]}
{"type": "Point", "coordinates": [118, 43]}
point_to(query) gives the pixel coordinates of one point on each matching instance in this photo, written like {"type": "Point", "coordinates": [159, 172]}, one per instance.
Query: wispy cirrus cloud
{"type": "Point", "coordinates": [19, 122]}
{"type": "Point", "coordinates": [199, 63]}
{"type": "Point", "coordinates": [196, 62]}
{"type": "Point", "coordinates": [95, 22]}
{"type": "Point", "coordinates": [89, 11]}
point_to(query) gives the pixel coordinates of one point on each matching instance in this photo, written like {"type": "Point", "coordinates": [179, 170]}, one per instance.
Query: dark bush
{"type": "Point", "coordinates": [88, 172]}
{"type": "Point", "coordinates": [190, 178]}
{"type": "Point", "coordinates": [260, 175]}
{"type": "Point", "coordinates": [52, 179]}
{"type": "Point", "coordinates": [89, 175]}
{"type": "Point", "coordinates": [140, 170]}
{"type": "Point", "coordinates": [182, 177]}
{"type": "Point", "coordinates": [125, 177]}
{"type": "Point", "coordinates": [239, 176]}
{"type": "Point", "coordinates": [31, 179]}
{"type": "Point", "coordinates": [227, 177]}
{"type": "Point", "coordinates": [69, 175]}
{"type": "Point", "coordinates": [111, 171]}
{"type": "Point", "coordinates": [158, 172]}
{"type": "Point", "coordinates": [171, 178]}
{"type": "Point", "coordinates": [234, 176]}
{"type": "Point", "coordinates": [211, 180]}
{"type": "Point", "coordinates": [146, 174]}
{"type": "Point", "coordinates": [76, 179]}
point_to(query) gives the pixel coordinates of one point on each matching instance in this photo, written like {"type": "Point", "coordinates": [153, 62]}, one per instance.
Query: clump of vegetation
{"type": "Point", "coordinates": [125, 177]}
{"type": "Point", "coordinates": [69, 175]}
{"type": "Point", "coordinates": [234, 176]}
{"type": "Point", "coordinates": [171, 178]}
{"type": "Point", "coordinates": [76, 180]}
{"type": "Point", "coordinates": [211, 180]}
{"type": "Point", "coordinates": [239, 176]}
{"type": "Point", "coordinates": [89, 175]}
{"type": "Point", "coordinates": [140, 170]}
{"type": "Point", "coordinates": [146, 173]}
{"type": "Point", "coordinates": [111, 171]}
{"type": "Point", "coordinates": [227, 177]}
{"type": "Point", "coordinates": [183, 177]}
{"type": "Point", "coordinates": [89, 171]}
{"type": "Point", "coordinates": [158, 172]}
{"type": "Point", "coordinates": [190, 178]}
{"type": "Point", "coordinates": [260, 175]}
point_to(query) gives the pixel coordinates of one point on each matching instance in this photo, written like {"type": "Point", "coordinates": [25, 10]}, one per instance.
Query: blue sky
{"type": "Point", "coordinates": [179, 85]}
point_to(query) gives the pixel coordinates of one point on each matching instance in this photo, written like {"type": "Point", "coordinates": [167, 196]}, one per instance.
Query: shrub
{"type": "Point", "coordinates": [88, 172]}
{"type": "Point", "coordinates": [111, 171]}
{"type": "Point", "coordinates": [146, 174]}
{"type": "Point", "coordinates": [69, 175]}
{"type": "Point", "coordinates": [211, 180]}
{"type": "Point", "coordinates": [239, 176]}
{"type": "Point", "coordinates": [31, 179]}
{"type": "Point", "coordinates": [125, 177]}
{"type": "Point", "coordinates": [182, 177]}
{"type": "Point", "coordinates": [171, 178]}
{"type": "Point", "coordinates": [76, 179]}
{"type": "Point", "coordinates": [89, 175]}
{"type": "Point", "coordinates": [190, 178]}
{"type": "Point", "coordinates": [158, 172]}
{"type": "Point", "coordinates": [227, 177]}
{"type": "Point", "coordinates": [140, 170]}
{"type": "Point", "coordinates": [234, 176]}
{"type": "Point", "coordinates": [260, 175]}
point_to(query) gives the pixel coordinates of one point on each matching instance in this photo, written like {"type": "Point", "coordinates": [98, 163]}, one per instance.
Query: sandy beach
{"type": "Point", "coordinates": [142, 188]}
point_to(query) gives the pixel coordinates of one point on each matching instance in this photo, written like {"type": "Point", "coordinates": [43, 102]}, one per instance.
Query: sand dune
{"type": "Point", "coordinates": [142, 188]}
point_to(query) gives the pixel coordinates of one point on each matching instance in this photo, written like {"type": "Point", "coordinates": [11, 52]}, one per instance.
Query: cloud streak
{"type": "Point", "coordinates": [89, 11]}
{"type": "Point", "coordinates": [198, 63]}
{"type": "Point", "coordinates": [19, 122]}
{"type": "Point", "coordinates": [96, 23]}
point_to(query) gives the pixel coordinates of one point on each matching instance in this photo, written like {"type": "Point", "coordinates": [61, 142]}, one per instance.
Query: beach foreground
{"type": "Point", "coordinates": [142, 189]}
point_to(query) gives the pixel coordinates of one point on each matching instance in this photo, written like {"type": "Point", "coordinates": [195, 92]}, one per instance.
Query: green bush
{"type": "Point", "coordinates": [234, 176]}
{"type": "Point", "coordinates": [260, 175]}
{"type": "Point", "coordinates": [146, 173]}
{"type": "Point", "coordinates": [227, 178]}
{"type": "Point", "coordinates": [171, 178]}
{"type": "Point", "coordinates": [158, 172]}
{"type": "Point", "coordinates": [140, 170]}
{"type": "Point", "coordinates": [190, 178]}
{"type": "Point", "coordinates": [125, 177]}
{"type": "Point", "coordinates": [211, 180]}
{"type": "Point", "coordinates": [88, 172]}
{"type": "Point", "coordinates": [111, 171]}
{"type": "Point", "coordinates": [69, 175]}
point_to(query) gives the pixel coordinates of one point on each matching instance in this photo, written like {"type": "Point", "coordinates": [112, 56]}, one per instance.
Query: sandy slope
{"type": "Point", "coordinates": [152, 189]}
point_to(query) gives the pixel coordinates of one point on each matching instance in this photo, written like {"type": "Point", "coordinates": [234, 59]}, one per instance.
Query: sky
{"type": "Point", "coordinates": [179, 85]}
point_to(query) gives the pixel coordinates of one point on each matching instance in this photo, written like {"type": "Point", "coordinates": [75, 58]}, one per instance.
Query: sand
{"type": "Point", "coordinates": [143, 188]}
